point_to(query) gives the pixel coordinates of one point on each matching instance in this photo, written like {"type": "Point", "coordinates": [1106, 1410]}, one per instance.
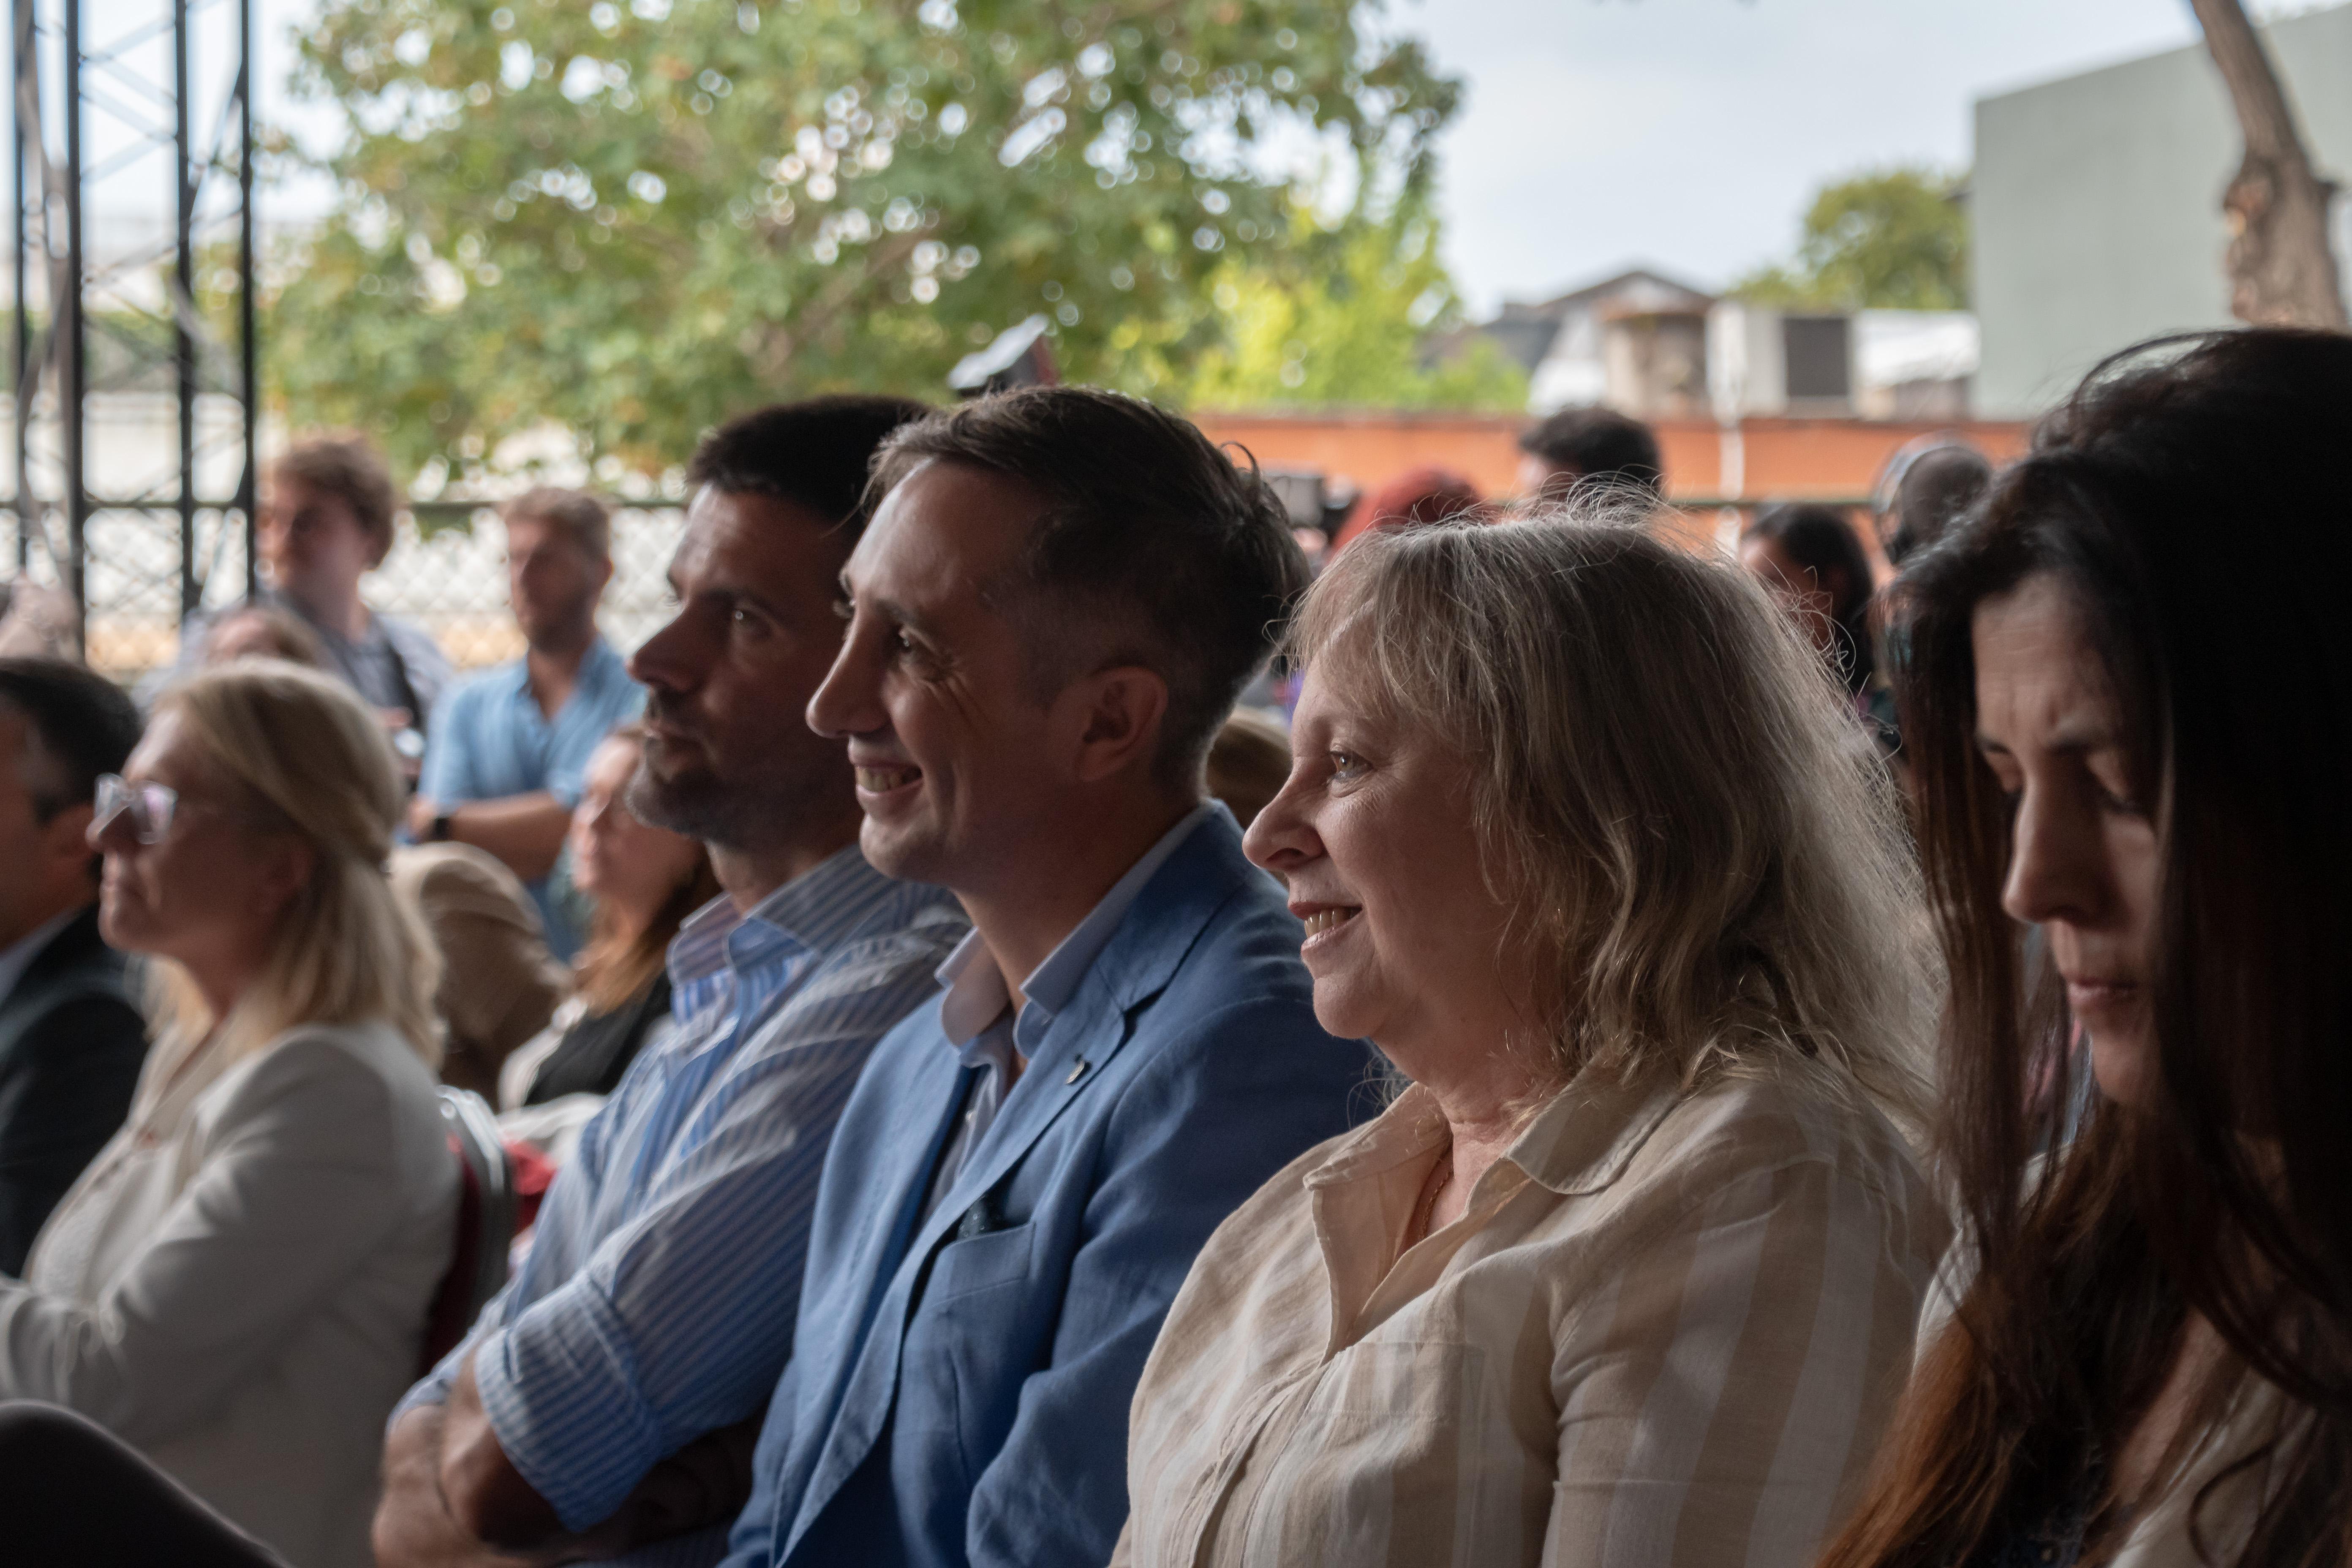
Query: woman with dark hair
{"type": "Point", "coordinates": [1810, 561]}
{"type": "Point", "coordinates": [643, 881]}
{"type": "Point", "coordinates": [1414, 498]}
{"type": "Point", "coordinates": [2136, 741]}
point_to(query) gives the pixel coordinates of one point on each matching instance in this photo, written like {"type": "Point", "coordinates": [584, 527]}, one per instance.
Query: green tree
{"type": "Point", "coordinates": [1895, 239]}
{"type": "Point", "coordinates": [631, 223]}
{"type": "Point", "coordinates": [1350, 330]}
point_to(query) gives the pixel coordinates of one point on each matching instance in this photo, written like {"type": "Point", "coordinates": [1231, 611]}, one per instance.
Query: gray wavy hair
{"type": "Point", "coordinates": [1704, 861]}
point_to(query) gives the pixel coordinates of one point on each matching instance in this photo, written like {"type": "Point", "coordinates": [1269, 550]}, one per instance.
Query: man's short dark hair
{"type": "Point", "coordinates": [815, 454]}
{"type": "Point", "coordinates": [1596, 444]}
{"type": "Point", "coordinates": [1154, 549]}
{"type": "Point", "coordinates": [77, 724]}
{"type": "Point", "coordinates": [1936, 488]}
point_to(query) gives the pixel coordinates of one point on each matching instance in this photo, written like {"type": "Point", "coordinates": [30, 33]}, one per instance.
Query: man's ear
{"type": "Point", "coordinates": [1122, 710]}
{"type": "Point", "coordinates": [66, 836]}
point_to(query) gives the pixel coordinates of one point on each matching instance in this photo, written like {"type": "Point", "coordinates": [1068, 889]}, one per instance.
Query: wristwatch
{"type": "Point", "coordinates": [440, 832]}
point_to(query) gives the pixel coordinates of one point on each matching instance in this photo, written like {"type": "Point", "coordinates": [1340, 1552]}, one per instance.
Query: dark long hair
{"type": "Point", "coordinates": [2191, 497]}
{"type": "Point", "coordinates": [1821, 540]}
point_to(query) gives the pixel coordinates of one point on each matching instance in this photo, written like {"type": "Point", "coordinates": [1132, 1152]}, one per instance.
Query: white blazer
{"type": "Point", "coordinates": [238, 1284]}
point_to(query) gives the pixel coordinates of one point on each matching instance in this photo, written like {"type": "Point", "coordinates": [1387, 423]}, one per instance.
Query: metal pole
{"type": "Point", "coordinates": [69, 388]}
{"type": "Point", "coordinates": [183, 345]}
{"type": "Point", "coordinates": [21, 399]}
{"type": "Point", "coordinates": [248, 343]}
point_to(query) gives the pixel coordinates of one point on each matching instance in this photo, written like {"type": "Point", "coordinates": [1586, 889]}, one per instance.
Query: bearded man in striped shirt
{"type": "Point", "coordinates": [603, 1409]}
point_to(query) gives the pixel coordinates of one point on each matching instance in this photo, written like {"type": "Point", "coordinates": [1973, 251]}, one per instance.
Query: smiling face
{"type": "Point", "coordinates": [960, 762]}
{"type": "Point", "coordinates": [1372, 834]}
{"type": "Point", "coordinates": [726, 760]}
{"type": "Point", "coordinates": [2085, 856]}
{"type": "Point", "coordinates": [210, 893]}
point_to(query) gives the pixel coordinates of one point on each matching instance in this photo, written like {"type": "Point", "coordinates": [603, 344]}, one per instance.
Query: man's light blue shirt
{"type": "Point", "coordinates": [658, 1300]}
{"type": "Point", "coordinates": [489, 741]}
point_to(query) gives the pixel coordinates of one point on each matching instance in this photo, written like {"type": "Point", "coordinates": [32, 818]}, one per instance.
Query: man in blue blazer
{"type": "Point", "coordinates": [1056, 602]}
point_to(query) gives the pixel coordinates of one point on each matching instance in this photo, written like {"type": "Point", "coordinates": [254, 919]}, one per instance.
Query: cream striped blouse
{"type": "Point", "coordinates": [1667, 1333]}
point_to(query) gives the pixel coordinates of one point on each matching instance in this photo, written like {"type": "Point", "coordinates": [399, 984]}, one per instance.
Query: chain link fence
{"type": "Point", "coordinates": [447, 573]}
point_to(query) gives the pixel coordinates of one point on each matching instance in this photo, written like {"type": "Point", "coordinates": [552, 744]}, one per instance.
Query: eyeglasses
{"type": "Point", "coordinates": [151, 808]}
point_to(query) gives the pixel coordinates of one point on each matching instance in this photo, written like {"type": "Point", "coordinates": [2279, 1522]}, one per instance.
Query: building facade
{"type": "Point", "coordinates": [2095, 203]}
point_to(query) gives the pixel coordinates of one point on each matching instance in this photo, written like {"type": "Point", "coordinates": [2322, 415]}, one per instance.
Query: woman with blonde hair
{"type": "Point", "coordinates": [1627, 1275]}
{"type": "Point", "coordinates": [237, 1287]}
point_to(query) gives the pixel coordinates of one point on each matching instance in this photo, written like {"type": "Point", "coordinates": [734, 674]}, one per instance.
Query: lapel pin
{"type": "Point", "coordinates": [1077, 1072]}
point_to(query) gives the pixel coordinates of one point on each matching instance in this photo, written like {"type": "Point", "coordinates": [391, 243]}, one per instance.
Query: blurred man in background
{"type": "Point", "coordinates": [328, 504]}
{"type": "Point", "coordinates": [1926, 488]}
{"type": "Point", "coordinates": [1579, 444]}
{"type": "Point", "coordinates": [502, 773]}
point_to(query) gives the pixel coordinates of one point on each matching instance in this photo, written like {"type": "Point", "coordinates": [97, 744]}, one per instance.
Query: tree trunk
{"type": "Point", "coordinates": [2282, 270]}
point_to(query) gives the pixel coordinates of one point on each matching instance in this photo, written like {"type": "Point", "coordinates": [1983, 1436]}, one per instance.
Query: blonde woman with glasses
{"type": "Point", "coordinates": [237, 1287]}
{"type": "Point", "coordinates": [1627, 1275]}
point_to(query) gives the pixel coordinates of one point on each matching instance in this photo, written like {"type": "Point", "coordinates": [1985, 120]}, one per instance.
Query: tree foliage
{"type": "Point", "coordinates": [1895, 240]}
{"type": "Point", "coordinates": [631, 223]}
{"type": "Point", "coordinates": [1352, 331]}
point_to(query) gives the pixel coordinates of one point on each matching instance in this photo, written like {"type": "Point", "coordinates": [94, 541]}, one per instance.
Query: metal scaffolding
{"type": "Point", "coordinates": [135, 342]}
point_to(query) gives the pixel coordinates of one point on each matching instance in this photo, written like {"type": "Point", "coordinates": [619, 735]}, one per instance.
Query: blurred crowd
{"type": "Point", "coordinates": [1046, 1017]}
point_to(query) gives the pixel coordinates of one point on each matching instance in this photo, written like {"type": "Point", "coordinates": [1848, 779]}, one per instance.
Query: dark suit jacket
{"type": "Point", "coordinates": [71, 1049]}
{"type": "Point", "coordinates": [958, 1392]}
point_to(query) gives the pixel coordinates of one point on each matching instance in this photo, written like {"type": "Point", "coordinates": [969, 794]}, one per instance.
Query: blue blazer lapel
{"type": "Point", "coordinates": [1163, 925]}
{"type": "Point", "coordinates": [925, 1100]}
{"type": "Point", "coordinates": [934, 1103]}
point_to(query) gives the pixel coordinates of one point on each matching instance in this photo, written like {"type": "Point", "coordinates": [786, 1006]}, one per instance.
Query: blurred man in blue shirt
{"type": "Point", "coordinates": [506, 749]}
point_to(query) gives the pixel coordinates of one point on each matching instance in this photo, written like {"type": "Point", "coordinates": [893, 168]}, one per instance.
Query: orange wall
{"type": "Point", "coordinates": [1367, 448]}
{"type": "Point", "coordinates": [1785, 458]}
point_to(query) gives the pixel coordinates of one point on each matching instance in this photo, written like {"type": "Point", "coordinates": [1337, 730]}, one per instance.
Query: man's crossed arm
{"type": "Point", "coordinates": [452, 1499]}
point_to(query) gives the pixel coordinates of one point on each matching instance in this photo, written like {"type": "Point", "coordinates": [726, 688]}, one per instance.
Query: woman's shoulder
{"type": "Point", "coordinates": [1754, 1120]}
{"type": "Point", "coordinates": [1290, 1190]}
{"type": "Point", "coordinates": [1279, 1216]}
{"type": "Point", "coordinates": [353, 1075]}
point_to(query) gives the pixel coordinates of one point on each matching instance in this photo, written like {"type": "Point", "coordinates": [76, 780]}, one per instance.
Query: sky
{"type": "Point", "coordinates": [1690, 135]}
{"type": "Point", "coordinates": [1685, 135]}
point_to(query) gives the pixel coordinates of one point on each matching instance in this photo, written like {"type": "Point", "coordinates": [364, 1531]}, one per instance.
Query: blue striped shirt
{"type": "Point", "coordinates": [657, 1300]}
